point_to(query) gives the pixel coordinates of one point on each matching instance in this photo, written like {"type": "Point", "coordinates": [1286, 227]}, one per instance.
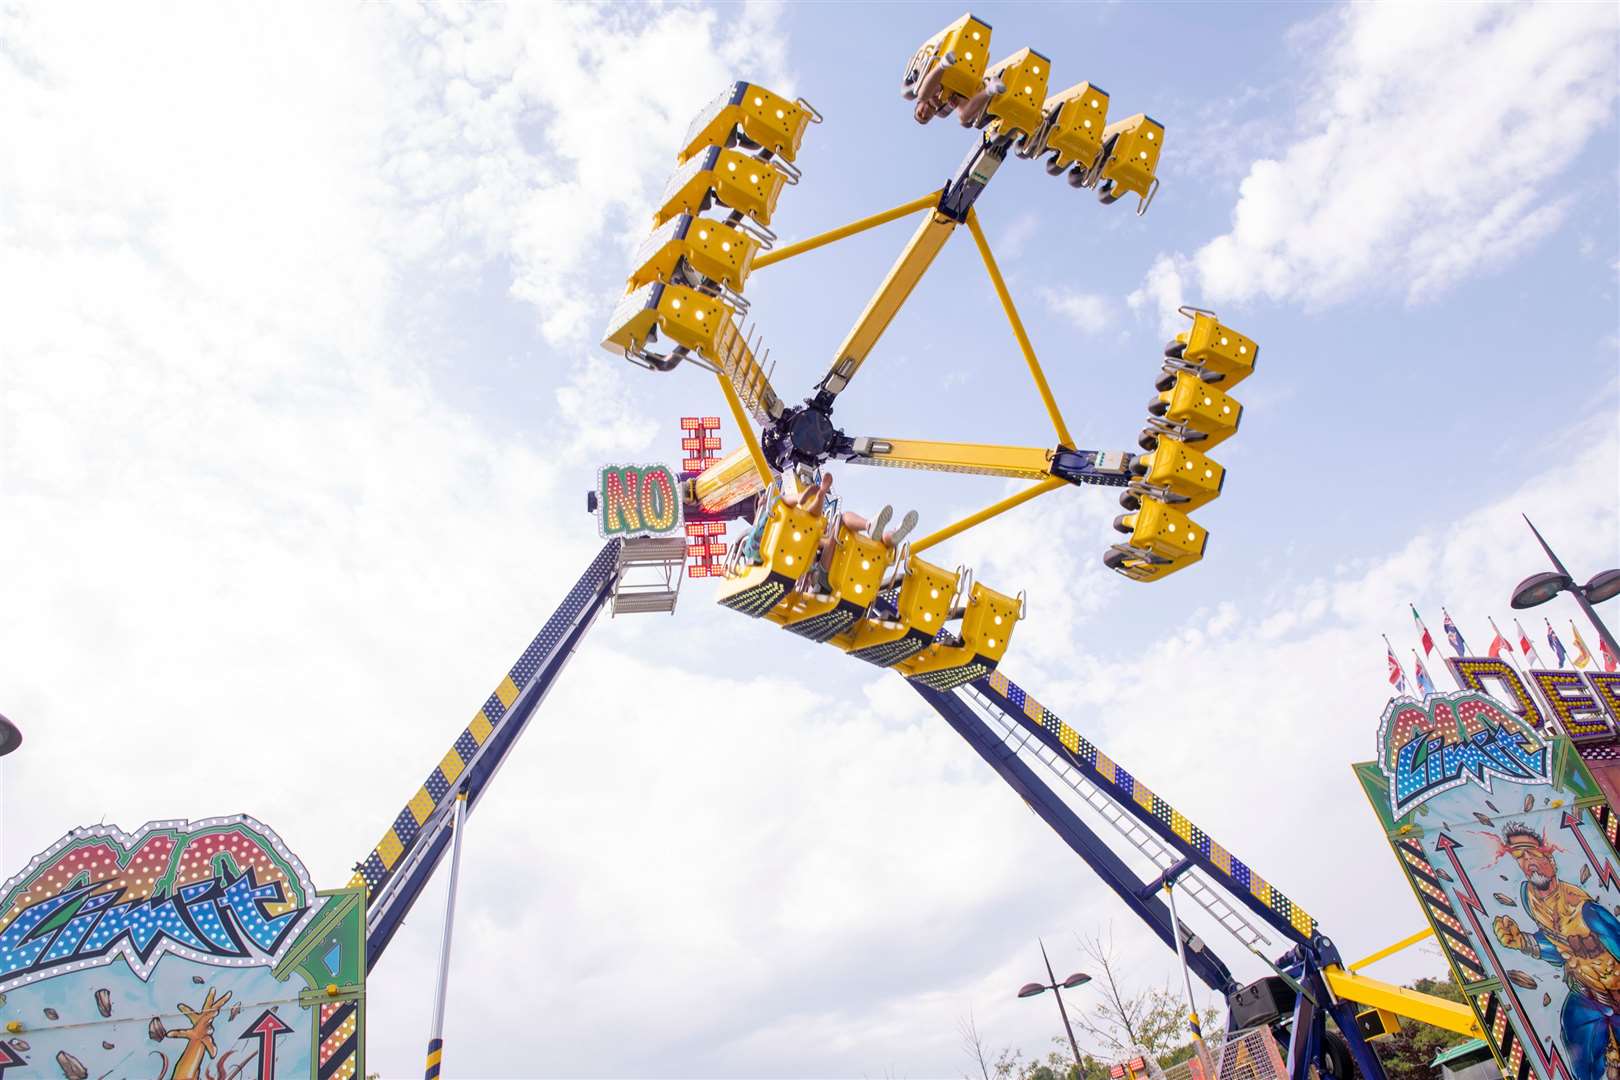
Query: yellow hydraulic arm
{"type": "Point", "coordinates": [1386, 997]}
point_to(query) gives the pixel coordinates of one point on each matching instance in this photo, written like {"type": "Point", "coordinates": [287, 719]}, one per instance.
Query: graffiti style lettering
{"type": "Point", "coordinates": [1454, 739]}
{"type": "Point", "coordinates": [225, 918]}
{"type": "Point", "coordinates": [637, 500]}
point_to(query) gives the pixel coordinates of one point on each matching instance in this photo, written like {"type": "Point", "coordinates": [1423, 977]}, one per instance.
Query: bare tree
{"type": "Point", "coordinates": [1122, 1019]}
{"type": "Point", "coordinates": [973, 1043]}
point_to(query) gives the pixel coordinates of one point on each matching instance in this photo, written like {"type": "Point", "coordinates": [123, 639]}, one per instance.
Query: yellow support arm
{"type": "Point", "coordinates": [987, 513]}
{"type": "Point", "coordinates": [1018, 462]}
{"type": "Point", "coordinates": [914, 261]}
{"type": "Point", "coordinates": [1064, 438]}
{"type": "Point", "coordinates": [822, 239]}
{"type": "Point", "coordinates": [746, 428]}
{"type": "Point", "coordinates": [1391, 950]}
{"type": "Point", "coordinates": [1426, 1008]}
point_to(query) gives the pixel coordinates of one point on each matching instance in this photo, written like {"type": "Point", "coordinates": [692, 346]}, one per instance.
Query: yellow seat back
{"type": "Point", "coordinates": [1164, 531]}
{"type": "Point", "coordinates": [1182, 470]}
{"type": "Point", "coordinates": [858, 565]}
{"type": "Point", "coordinates": [1020, 107]}
{"type": "Point", "coordinates": [766, 118]}
{"type": "Point", "coordinates": [1220, 349]}
{"type": "Point", "coordinates": [968, 40]}
{"type": "Point", "coordinates": [1076, 119]}
{"type": "Point", "coordinates": [737, 180]}
{"type": "Point", "coordinates": [987, 624]}
{"type": "Point", "coordinates": [926, 595]}
{"type": "Point", "coordinates": [684, 316]}
{"type": "Point", "coordinates": [1202, 408]}
{"type": "Point", "coordinates": [712, 248]}
{"type": "Point", "coordinates": [788, 545]}
{"type": "Point", "coordinates": [1134, 160]}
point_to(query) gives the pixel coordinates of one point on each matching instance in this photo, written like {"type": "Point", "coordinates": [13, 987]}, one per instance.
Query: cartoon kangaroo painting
{"type": "Point", "coordinates": [199, 1037]}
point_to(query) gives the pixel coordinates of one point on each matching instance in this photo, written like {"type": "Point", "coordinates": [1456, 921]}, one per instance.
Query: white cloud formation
{"type": "Point", "coordinates": [1400, 179]}
{"type": "Point", "coordinates": [1089, 313]}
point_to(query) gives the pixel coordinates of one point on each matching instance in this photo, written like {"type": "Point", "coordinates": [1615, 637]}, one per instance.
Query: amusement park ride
{"type": "Point", "coordinates": [816, 572]}
{"type": "Point", "coordinates": [833, 577]}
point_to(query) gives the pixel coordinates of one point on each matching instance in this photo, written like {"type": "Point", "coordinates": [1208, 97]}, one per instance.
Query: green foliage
{"type": "Point", "coordinates": [1406, 1054]}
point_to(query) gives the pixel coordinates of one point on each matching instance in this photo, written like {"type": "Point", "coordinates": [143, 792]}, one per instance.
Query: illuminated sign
{"type": "Point", "coordinates": [637, 500]}
{"type": "Point", "coordinates": [1585, 704]}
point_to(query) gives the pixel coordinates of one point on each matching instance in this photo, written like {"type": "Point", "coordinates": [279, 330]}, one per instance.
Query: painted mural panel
{"type": "Point", "coordinates": [1499, 830]}
{"type": "Point", "coordinates": [183, 951]}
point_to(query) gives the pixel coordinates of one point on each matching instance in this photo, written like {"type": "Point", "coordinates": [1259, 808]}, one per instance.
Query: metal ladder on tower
{"type": "Point", "coordinates": [1192, 882]}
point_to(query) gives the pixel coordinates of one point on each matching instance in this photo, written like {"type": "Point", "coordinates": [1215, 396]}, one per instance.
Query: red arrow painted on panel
{"type": "Point", "coordinates": [1552, 1062]}
{"type": "Point", "coordinates": [9, 1057]}
{"type": "Point", "coordinates": [266, 1027]}
{"type": "Point", "coordinates": [1606, 872]}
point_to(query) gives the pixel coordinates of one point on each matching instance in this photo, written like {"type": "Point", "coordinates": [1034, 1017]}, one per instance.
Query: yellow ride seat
{"type": "Point", "coordinates": [1209, 416]}
{"type": "Point", "coordinates": [858, 565]}
{"type": "Point", "coordinates": [737, 180]}
{"type": "Point", "coordinates": [712, 248]}
{"type": "Point", "coordinates": [987, 625]}
{"type": "Point", "coordinates": [963, 50]}
{"type": "Point", "coordinates": [1132, 147]}
{"type": "Point", "coordinates": [1073, 128]}
{"type": "Point", "coordinates": [787, 549]}
{"type": "Point", "coordinates": [684, 316]}
{"type": "Point", "coordinates": [926, 596]}
{"type": "Point", "coordinates": [768, 119]}
{"type": "Point", "coordinates": [1161, 538]}
{"type": "Point", "coordinates": [1021, 106]}
{"type": "Point", "coordinates": [1219, 350]}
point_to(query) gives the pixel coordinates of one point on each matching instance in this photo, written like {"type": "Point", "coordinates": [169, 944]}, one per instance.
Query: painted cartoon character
{"type": "Point", "coordinates": [1576, 933]}
{"type": "Point", "coordinates": [199, 1037]}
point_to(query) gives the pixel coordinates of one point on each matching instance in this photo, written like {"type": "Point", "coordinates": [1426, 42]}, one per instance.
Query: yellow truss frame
{"type": "Point", "coordinates": [914, 260]}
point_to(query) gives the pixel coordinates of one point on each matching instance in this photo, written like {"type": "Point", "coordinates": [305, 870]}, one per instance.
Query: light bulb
{"type": "Point", "coordinates": [753, 178]}
{"type": "Point", "coordinates": [933, 594]}
{"type": "Point", "coordinates": [866, 564]}
{"type": "Point", "coordinates": [725, 245]}
{"type": "Point", "coordinates": [759, 101]}
{"type": "Point", "coordinates": [703, 234]}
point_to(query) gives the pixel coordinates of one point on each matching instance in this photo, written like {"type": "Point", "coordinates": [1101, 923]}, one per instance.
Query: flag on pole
{"type": "Point", "coordinates": [1423, 632]}
{"type": "Point", "coordinates": [1583, 655]}
{"type": "Point", "coordinates": [1425, 684]}
{"type": "Point", "coordinates": [1453, 635]}
{"type": "Point", "coordinates": [1498, 643]}
{"type": "Point", "coordinates": [1611, 662]}
{"type": "Point", "coordinates": [1554, 644]}
{"type": "Point", "coordinates": [1397, 677]}
{"type": "Point", "coordinates": [1525, 647]}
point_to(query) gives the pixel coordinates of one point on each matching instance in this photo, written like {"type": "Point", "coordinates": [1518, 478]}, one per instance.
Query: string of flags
{"type": "Point", "coordinates": [1501, 646]}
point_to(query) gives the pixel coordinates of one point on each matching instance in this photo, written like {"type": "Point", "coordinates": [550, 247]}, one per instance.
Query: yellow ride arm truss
{"type": "Point", "coordinates": [1018, 462]}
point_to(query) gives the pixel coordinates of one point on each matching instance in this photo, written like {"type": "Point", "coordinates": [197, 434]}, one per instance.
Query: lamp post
{"type": "Point", "coordinates": [10, 737]}
{"type": "Point", "coordinates": [1079, 978]}
{"type": "Point", "coordinates": [1539, 588]}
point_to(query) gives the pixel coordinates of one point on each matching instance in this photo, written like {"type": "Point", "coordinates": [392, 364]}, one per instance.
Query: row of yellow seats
{"type": "Point", "coordinates": [912, 638]}
{"type": "Point", "coordinates": [726, 161]}
{"type": "Point", "coordinates": [950, 72]}
{"type": "Point", "coordinates": [1190, 415]}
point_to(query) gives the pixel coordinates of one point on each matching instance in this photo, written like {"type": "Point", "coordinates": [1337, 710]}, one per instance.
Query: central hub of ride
{"type": "Point", "coordinates": [804, 435]}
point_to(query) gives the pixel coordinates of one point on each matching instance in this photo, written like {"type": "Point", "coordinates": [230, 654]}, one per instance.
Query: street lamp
{"type": "Point", "coordinates": [10, 737]}
{"type": "Point", "coordinates": [1034, 989]}
{"type": "Point", "coordinates": [1539, 588]}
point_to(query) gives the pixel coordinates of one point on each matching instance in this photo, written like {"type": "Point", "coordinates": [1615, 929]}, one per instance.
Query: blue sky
{"type": "Point", "coordinates": [299, 396]}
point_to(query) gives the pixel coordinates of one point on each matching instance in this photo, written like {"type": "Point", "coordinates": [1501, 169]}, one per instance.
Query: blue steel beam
{"type": "Point", "coordinates": [1128, 792]}
{"type": "Point", "coordinates": [396, 871]}
{"type": "Point", "coordinates": [1051, 808]}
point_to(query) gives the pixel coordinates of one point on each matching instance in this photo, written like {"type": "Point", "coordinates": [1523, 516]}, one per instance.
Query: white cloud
{"type": "Point", "coordinates": [1400, 179]}
{"type": "Point", "coordinates": [1087, 312]}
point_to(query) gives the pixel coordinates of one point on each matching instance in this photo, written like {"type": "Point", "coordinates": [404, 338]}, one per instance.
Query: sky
{"type": "Point", "coordinates": [300, 393]}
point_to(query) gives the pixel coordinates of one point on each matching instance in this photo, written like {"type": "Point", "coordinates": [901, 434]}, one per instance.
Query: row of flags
{"type": "Point", "coordinates": [1500, 644]}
